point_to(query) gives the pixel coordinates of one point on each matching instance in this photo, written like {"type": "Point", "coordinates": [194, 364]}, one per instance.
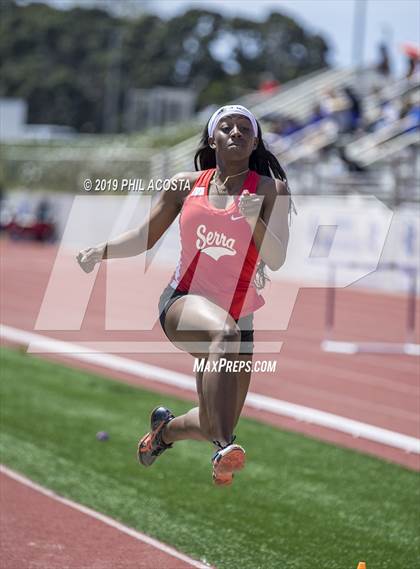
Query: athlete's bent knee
{"type": "Point", "coordinates": [227, 340]}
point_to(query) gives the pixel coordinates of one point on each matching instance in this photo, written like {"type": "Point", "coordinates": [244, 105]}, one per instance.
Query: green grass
{"type": "Point", "coordinates": [299, 504]}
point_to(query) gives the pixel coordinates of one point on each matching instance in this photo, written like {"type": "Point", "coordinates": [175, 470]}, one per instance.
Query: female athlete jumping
{"type": "Point", "coordinates": [233, 221]}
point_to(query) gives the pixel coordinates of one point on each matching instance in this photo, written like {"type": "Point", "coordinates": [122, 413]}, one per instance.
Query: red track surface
{"type": "Point", "coordinates": [381, 390]}
{"type": "Point", "coordinates": [50, 536]}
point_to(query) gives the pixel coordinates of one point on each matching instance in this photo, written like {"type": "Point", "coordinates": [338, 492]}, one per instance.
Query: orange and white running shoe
{"type": "Point", "coordinates": [226, 461]}
{"type": "Point", "coordinates": [151, 445]}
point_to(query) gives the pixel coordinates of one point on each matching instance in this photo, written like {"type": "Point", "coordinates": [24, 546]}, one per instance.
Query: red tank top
{"type": "Point", "coordinates": [218, 256]}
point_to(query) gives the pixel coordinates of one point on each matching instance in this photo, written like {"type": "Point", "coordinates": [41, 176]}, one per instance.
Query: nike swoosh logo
{"type": "Point", "coordinates": [234, 217]}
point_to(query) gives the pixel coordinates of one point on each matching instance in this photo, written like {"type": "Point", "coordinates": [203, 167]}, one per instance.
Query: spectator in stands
{"type": "Point", "coordinates": [354, 111]}
{"type": "Point", "coordinates": [383, 66]}
{"type": "Point", "coordinates": [290, 126]}
{"type": "Point", "coordinates": [274, 134]}
{"type": "Point", "coordinates": [411, 62]}
{"type": "Point", "coordinates": [351, 165]}
{"type": "Point", "coordinates": [335, 106]}
{"type": "Point", "coordinates": [316, 116]}
{"type": "Point", "coordinates": [390, 113]}
{"type": "Point", "coordinates": [412, 65]}
{"type": "Point", "coordinates": [412, 54]}
{"type": "Point", "coordinates": [410, 111]}
{"type": "Point", "coordinates": [43, 211]}
{"type": "Point", "coordinates": [276, 126]}
{"type": "Point", "coordinates": [268, 83]}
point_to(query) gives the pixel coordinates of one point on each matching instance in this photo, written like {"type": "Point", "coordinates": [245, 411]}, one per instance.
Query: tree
{"type": "Point", "coordinates": [56, 61]}
{"type": "Point", "coordinates": [63, 62]}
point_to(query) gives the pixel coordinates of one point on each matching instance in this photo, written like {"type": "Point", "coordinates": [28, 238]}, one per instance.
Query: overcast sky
{"type": "Point", "coordinates": [396, 21]}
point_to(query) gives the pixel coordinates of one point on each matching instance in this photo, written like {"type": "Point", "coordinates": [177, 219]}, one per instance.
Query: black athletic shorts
{"type": "Point", "coordinates": [169, 295]}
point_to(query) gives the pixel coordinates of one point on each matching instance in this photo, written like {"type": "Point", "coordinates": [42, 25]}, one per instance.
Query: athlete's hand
{"type": "Point", "coordinates": [250, 206]}
{"type": "Point", "coordinates": [87, 258]}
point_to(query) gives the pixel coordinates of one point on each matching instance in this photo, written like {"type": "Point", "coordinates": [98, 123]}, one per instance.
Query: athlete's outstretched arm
{"type": "Point", "coordinates": [139, 240]}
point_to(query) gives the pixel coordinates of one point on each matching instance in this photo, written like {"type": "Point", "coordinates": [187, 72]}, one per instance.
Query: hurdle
{"type": "Point", "coordinates": [409, 347]}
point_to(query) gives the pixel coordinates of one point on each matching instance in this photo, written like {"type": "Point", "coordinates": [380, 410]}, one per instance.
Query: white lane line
{"type": "Point", "coordinates": [129, 347]}
{"type": "Point", "coordinates": [183, 381]}
{"type": "Point", "coordinates": [348, 402]}
{"type": "Point", "coordinates": [373, 379]}
{"type": "Point", "coordinates": [102, 518]}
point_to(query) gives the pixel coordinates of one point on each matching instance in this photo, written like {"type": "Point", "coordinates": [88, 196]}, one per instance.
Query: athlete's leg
{"type": "Point", "coordinates": [195, 423]}
{"type": "Point", "coordinates": [219, 337]}
{"type": "Point", "coordinates": [244, 379]}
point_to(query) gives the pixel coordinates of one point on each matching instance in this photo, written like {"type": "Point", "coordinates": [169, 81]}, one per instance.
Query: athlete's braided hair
{"type": "Point", "coordinates": [261, 161]}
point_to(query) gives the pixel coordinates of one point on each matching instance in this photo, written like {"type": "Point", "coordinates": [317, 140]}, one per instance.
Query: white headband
{"type": "Point", "coordinates": [231, 110]}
